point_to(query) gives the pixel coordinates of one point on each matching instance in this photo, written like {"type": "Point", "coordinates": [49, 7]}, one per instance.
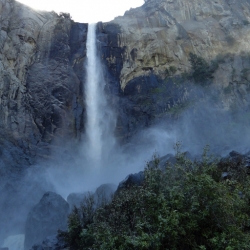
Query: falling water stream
{"type": "Point", "coordinates": [99, 123]}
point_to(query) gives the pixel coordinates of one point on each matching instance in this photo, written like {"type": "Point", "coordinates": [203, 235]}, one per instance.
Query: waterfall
{"type": "Point", "coordinates": [100, 119]}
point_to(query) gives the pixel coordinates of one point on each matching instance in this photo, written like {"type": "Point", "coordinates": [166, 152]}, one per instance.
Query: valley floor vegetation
{"type": "Point", "coordinates": [191, 204]}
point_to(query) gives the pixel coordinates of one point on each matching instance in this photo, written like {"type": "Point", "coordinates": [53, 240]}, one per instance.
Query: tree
{"type": "Point", "coordinates": [186, 205]}
{"type": "Point", "coordinates": [202, 72]}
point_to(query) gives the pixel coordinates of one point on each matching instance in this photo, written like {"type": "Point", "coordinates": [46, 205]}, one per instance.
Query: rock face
{"type": "Point", "coordinates": [147, 52]}
{"type": "Point", "coordinates": [103, 194]}
{"type": "Point", "coordinates": [45, 219]}
{"type": "Point", "coordinates": [131, 180]}
{"type": "Point", "coordinates": [41, 72]}
{"type": "Point", "coordinates": [237, 161]}
{"type": "Point", "coordinates": [41, 100]}
{"type": "Point", "coordinates": [75, 199]}
{"type": "Point", "coordinates": [163, 32]}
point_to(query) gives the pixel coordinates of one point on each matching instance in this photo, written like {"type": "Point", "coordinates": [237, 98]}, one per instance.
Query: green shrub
{"type": "Point", "coordinates": [157, 90]}
{"type": "Point", "coordinates": [172, 69]}
{"type": "Point", "coordinates": [202, 71]}
{"type": "Point", "coordinates": [167, 72]}
{"type": "Point", "coordinates": [183, 206]}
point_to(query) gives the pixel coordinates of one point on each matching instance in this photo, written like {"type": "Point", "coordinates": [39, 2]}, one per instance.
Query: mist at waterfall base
{"type": "Point", "coordinates": [194, 130]}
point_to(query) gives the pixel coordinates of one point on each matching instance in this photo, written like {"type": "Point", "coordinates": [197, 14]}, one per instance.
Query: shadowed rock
{"type": "Point", "coordinates": [45, 219]}
{"type": "Point", "coordinates": [75, 199]}
{"type": "Point", "coordinates": [52, 243]}
{"type": "Point", "coordinates": [131, 180]}
{"type": "Point", "coordinates": [103, 193]}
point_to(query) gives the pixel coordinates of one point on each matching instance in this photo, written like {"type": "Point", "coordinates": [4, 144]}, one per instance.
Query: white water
{"type": "Point", "coordinates": [100, 119]}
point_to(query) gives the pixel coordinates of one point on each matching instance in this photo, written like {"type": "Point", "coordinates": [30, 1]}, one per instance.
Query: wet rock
{"type": "Point", "coordinates": [235, 161]}
{"type": "Point", "coordinates": [225, 175]}
{"type": "Point", "coordinates": [238, 158]}
{"type": "Point", "coordinates": [41, 96]}
{"type": "Point", "coordinates": [168, 159]}
{"type": "Point", "coordinates": [131, 180]}
{"type": "Point", "coordinates": [45, 219]}
{"type": "Point", "coordinates": [75, 199]}
{"type": "Point", "coordinates": [104, 193]}
{"type": "Point", "coordinates": [163, 161]}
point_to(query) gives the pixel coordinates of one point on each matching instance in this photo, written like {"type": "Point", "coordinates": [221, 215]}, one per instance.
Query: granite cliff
{"type": "Point", "coordinates": [41, 74]}
{"type": "Point", "coordinates": [148, 52]}
{"type": "Point", "coordinates": [41, 69]}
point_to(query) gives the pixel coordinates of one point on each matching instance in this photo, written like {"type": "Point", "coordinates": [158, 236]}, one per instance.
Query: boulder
{"type": "Point", "coordinates": [243, 159]}
{"type": "Point", "coordinates": [75, 199]}
{"type": "Point", "coordinates": [238, 162]}
{"type": "Point", "coordinates": [131, 180]}
{"type": "Point", "coordinates": [45, 219]}
{"type": "Point", "coordinates": [104, 193]}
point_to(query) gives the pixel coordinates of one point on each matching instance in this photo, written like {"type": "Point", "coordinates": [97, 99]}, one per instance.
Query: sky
{"type": "Point", "coordinates": [86, 11]}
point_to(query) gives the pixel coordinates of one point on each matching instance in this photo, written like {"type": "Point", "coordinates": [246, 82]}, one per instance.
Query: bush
{"type": "Point", "coordinates": [172, 69]}
{"type": "Point", "coordinates": [202, 71]}
{"type": "Point", "coordinates": [185, 206]}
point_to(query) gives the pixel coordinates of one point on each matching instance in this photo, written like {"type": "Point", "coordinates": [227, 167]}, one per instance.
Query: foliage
{"type": "Point", "coordinates": [78, 235]}
{"type": "Point", "coordinates": [183, 206]}
{"type": "Point", "coordinates": [202, 71]}
{"type": "Point", "coordinates": [170, 71]}
{"type": "Point", "coordinates": [178, 109]}
{"type": "Point", "coordinates": [157, 90]}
